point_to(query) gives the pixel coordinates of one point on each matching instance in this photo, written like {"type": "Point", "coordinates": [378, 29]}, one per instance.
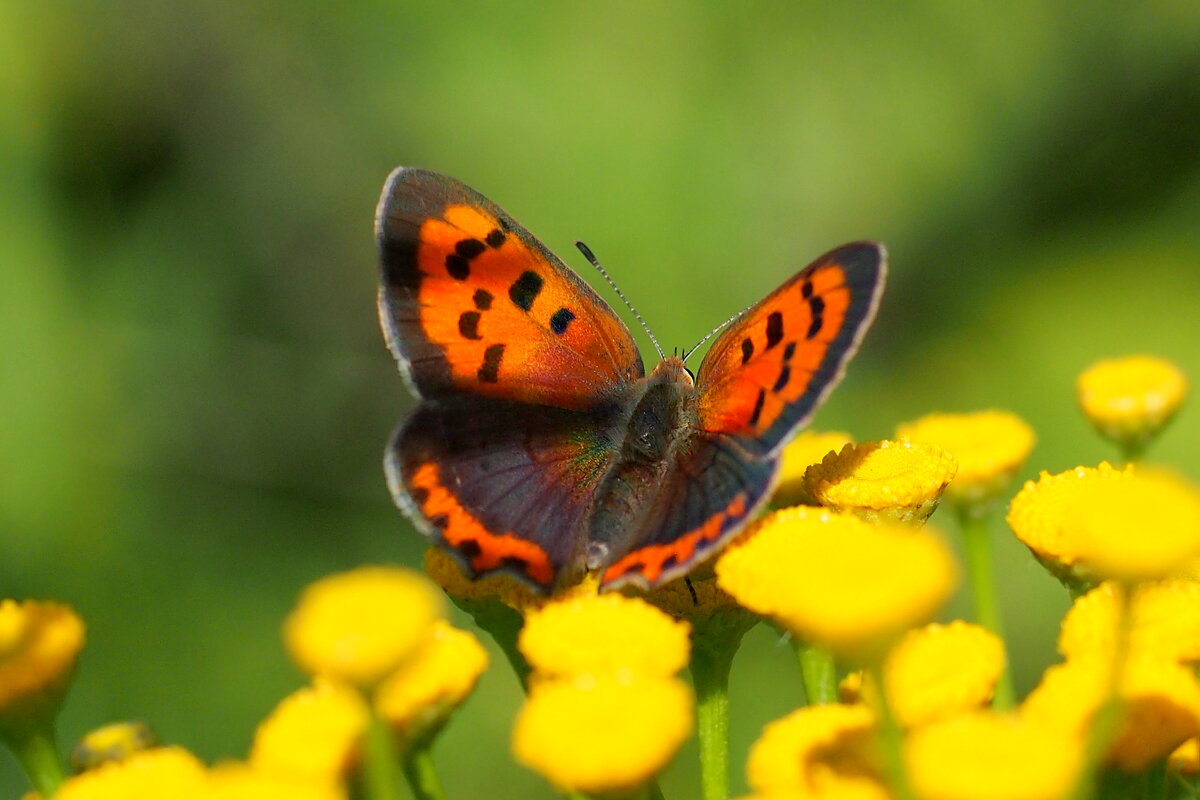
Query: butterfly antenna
{"type": "Point", "coordinates": [590, 256]}
{"type": "Point", "coordinates": [712, 333]}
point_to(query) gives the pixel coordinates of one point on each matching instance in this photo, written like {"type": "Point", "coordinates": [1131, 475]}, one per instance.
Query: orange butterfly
{"type": "Point", "coordinates": [540, 447]}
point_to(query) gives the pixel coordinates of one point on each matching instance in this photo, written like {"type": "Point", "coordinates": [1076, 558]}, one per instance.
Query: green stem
{"type": "Point", "coordinates": [38, 755]}
{"type": "Point", "coordinates": [818, 672]}
{"type": "Point", "coordinates": [380, 779]}
{"type": "Point", "coordinates": [710, 675]}
{"type": "Point", "coordinates": [504, 625]}
{"type": "Point", "coordinates": [977, 547]}
{"type": "Point", "coordinates": [892, 738]}
{"type": "Point", "coordinates": [420, 773]}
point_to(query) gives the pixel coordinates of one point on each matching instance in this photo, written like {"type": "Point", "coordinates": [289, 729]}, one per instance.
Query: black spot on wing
{"type": "Point", "coordinates": [489, 372]}
{"type": "Point", "coordinates": [458, 267]}
{"type": "Point", "coordinates": [496, 238]}
{"type": "Point", "coordinates": [483, 299]}
{"type": "Point", "coordinates": [561, 319]}
{"type": "Point", "coordinates": [747, 350]}
{"type": "Point", "coordinates": [789, 351]}
{"type": "Point", "coordinates": [439, 521]}
{"type": "Point", "coordinates": [525, 290]}
{"type": "Point", "coordinates": [774, 329]}
{"type": "Point", "coordinates": [758, 407]}
{"type": "Point", "coordinates": [469, 248]}
{"type": "Point", "coordinates": [781, 382]}
{"type": "Point", "coordinates": [468, 325]}
{"type": "Point", "coordinates": [470, 548]}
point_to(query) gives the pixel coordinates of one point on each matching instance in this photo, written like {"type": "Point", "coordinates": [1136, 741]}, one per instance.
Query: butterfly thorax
{"type": "Point", "coordinates": [657, 431]}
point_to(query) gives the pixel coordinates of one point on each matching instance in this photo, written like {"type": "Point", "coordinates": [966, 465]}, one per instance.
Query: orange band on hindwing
{"type": "Point", "coordinates": [461, 531]}
{"type": "Point", "coordinates": [651, 560]}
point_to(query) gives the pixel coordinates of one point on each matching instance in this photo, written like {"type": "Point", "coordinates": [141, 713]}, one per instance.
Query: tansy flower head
{"type": "Point", "coordinates": [942, 670]}
{"type": "Point", "coordinates": [989, 756]}
{"type": "Point", "coordinates": [244, 782]}
{"type": "Point", "coordinates": [1130, 399]}
{"type": "Point", "coordinates": [39, 644]}
{"type": "Point", "coordinates": [1106, 522]}
{"type": "Point", "coordinates": [358, 626]}
{"type": "Point", "coordinates": [422, 693]}
{"type": "Point", "coordinates": [900, 481]}
{"type": "Point", "coordinates": [806, 449]}
{"type": "Point", "coordinates": [146, 775]}
{"type": "Point", "coordinates": [989, 446]}
{"type": "Point", "coordinates": [602, 734]}
{"type": "Point", "coordinates": [836, 579]}
{"type": "Point", "coordinates": [815, 752]}
{"type": "Point", "coordinates": [314, 734]}
{"type": "Point", "coordinates": [607, 633]}
{"type": "Point", "coordinates": [112, 742]}
{"type": "Point", "coordinates": [1160, 705]}
{"type": "Point", "coordinates": [1165, 622]}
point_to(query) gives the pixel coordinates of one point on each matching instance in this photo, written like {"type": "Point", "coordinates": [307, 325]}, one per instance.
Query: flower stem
{"type": "Point", "coordinates": [891, 738]}
{"type": "Point", "coordinates": [710, 674]}
{"type": "Point", "coordinates": [504, 625]}
{"type": "Point", "coordinates": [38, 755]}
{"type": "Point", "coordinates": [977, 547]}
{"type": "Point", "coordinates": [421, 775]}
{"type": "Point", "coordinates": [818, 672]}
{"type": "Point", "coordinates": [380, 779]}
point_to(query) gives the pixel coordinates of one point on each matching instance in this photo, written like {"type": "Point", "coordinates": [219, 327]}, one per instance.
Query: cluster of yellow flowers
{"type": "Point", "coordinates": [845, 566]}
{"type": "Point", "coordinates": [387, 670]}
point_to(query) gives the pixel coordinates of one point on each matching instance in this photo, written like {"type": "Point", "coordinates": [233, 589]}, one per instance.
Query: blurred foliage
{"type": "Point", "coordinates": [195, 394]}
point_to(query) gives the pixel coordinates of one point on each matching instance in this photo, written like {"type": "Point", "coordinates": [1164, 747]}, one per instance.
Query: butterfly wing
{"type": "Point", "coordinates": [762, 379]}
{"type": "Point", "coordinates": [503, 486]}
{"type": "Point", "coordinates": [766, 375]}
{"type": "Point", "coordinates": [471, 302]}
{"type": "Point", "coordinates": [714, 488]}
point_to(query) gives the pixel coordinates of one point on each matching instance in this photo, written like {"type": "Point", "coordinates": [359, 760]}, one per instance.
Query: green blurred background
{"type": "Point", "coordinates": [195, 395]}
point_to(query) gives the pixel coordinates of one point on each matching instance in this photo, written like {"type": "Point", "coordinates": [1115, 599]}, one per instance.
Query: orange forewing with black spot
{"type": "Point", "coordinates": [471, 301]}
{"type": "Point", "coordinates": [766, 374]}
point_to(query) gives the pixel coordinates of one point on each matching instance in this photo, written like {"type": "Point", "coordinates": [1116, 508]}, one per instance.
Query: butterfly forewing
{"type": "Point", "coordinates": [471, 302]}
{"type": "Point", "coordinates": [765, 376]}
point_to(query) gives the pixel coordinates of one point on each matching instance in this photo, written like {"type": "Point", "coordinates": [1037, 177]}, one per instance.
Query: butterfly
{"type": "Point", "coordinates": [540, 447]}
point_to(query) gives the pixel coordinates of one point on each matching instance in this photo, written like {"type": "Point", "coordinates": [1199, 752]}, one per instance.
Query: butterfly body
{"type": "Point", "coordinates": [540, 447]}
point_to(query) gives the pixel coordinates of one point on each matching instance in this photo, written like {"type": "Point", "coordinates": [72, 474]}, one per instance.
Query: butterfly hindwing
{"type": "Point", "coordinates": [503, 486]}
{"type": "Point", "coordinates": [765, 376]}
{"type": "Point", "coordinates": [471, 302]}
{"type": "Point", "coordinates": [714, 488]}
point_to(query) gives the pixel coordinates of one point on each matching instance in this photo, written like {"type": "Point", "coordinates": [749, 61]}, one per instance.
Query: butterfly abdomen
{"type": "Point", "coordinates": [662, 420]}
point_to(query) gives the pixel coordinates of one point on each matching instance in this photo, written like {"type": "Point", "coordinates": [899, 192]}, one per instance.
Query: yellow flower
{"type": "Point", "coordinates": [836, 579]}
{"type": "Point", "coordinates": [446, 573]}
{"type": "Point", "coordinates": [423, 692]}
{"type": "Point", "coordinates": [942, 670]}
{"type": "Point", "coordinates": [991, 756]}
{"type": "Point", "coordinates": [695, 598]}
{"type": "Point", "coordinates": [1160, 703]}
{"type": "Point", "coordinates": [815, 751]}
{"type": "Point", "coordinates": [146, 775]}
{"type": "Point", "coordinates": [1165, 622]}
{"type": "Point", "coordinates": [243, 782]}
{"type": "Point", "coordinates": [1108, 522]}
{"type": "Point", "coordinates": [605, 633]}
{"type": "Point", "coordinates": [314, 733]}
{"type": "Point", "coordinates": [358, 626]}
{"type": "Point", "coordinates": [39, 644]}
{"type": "Point", "coordinates": [808, 448]}
{"type": "Point", "coordinates": [900, 481]}
{"type": "Point", "coordinates": [602, 734]}
{"type": "Point", "coordinates": [1130, 399]}
{"type": "Point", "coordinates": [112, 742]}
{"type": "Point", "coordinates": [989, 446]}
{"type": "Point", "coordinates": [1186, 758]}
